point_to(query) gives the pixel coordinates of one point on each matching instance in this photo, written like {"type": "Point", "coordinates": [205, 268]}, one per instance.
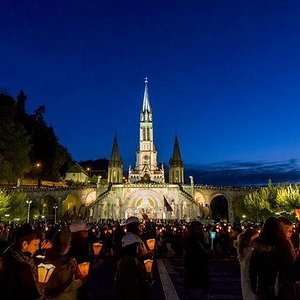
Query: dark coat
{"type": "Point", "coordinates": [272, 273]}
{"type": "Point", "coordinates": [131, 279]}
{"type": "Point", "coordinates": [196, 265]}
{"type": "Point", "coordinates": [17, 279]}
{"type": "Point", "coordinates": [62, 283]}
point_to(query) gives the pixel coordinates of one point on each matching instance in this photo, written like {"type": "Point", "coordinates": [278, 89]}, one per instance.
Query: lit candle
{"type": "Point", "coordinates": [97, 248]}
{"type": "Point", "coordinates": [151, 244]}
{"type": "Point", "coordinates": [84, 268]}
{"type": "Point", "coordinates": [148, 265]}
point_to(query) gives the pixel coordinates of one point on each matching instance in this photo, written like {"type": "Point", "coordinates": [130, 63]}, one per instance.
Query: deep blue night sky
{"type": "Point", "coordinates": [224, 75]}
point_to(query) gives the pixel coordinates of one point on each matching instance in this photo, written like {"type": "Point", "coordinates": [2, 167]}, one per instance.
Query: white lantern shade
{"type": "Point", "coordinates": [45, 271]}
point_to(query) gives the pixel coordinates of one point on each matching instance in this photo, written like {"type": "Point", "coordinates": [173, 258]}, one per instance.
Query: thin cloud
{"type": "Point", "coordinates": [236, 173]}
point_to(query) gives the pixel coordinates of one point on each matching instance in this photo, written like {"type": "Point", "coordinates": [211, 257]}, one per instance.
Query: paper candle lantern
{"type": "Point", "coordinates": [148, 265]}
{"type": "Point", "coordinates": [297, 213]}
{"type": "Point", "coordinates": [84, 268]}
{"type": "Point", "coordinates": [44, 272]}
{"type": "Point", "coordinates": [97, 248]}
{"type": "Point", "coordinates": [151, 244]}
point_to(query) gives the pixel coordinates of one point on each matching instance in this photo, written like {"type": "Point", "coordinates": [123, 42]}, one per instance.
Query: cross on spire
{"type": "Point", "coordinates": [146, 80]}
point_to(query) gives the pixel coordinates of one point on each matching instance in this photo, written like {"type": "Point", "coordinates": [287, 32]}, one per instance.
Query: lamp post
{"type": "Point", "coordinates": [38, 167]}
{"type": "Point", "coordinates": [55, 207]}
{"type": "Point", "coordinates": [28, 210]}
{"type": "Point", "coordinates": [89, 173]}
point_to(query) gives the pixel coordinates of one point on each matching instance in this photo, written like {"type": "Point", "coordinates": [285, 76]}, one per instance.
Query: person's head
{"type": "Point", "coordinates": [26, 239]}
{"type": "Point", "coordinates": [61, 242]}
{"type": "Point", "coordinates": [287, 227]}
{"type": "Point", "coordinates": [130, 244]}
{"type": "Point", "coordinates": [133, 225]}
{"type": "Point", "coordinates": [196, 228]}
{"type": "Point", "coordinates": [245, 239]}
{"type": "Point", "coordinates": [272, 233]}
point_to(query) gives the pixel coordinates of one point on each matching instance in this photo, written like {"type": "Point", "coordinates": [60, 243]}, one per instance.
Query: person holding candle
{"type": "Point", "coordinates": [20, 271]}
{"type": "Point", "coordinates": [133, 228]}
{"type": "Point", "coordinates": [65, 281]}
{"type": "Point", "coordinates": [131, 276]}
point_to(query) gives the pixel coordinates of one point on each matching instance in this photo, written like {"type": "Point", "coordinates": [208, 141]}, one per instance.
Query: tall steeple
{"type": "Point", "coordinates": [176, 151]}
{"type": "Point", "coordinates": [146, 157]}
{"type": "Point", "coordinates": [115, 167]}
{"type": "Point", "coordinates": [115, 156]}
{"type": "Point", "coordinates": [176, 165]}
{"type": "Point", "coordinates": [146, 103]}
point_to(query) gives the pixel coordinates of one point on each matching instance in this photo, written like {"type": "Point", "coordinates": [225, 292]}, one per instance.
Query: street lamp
{"type": "Point", "coordinates": [89, 171]}
{"type": "Point", "coordinates": [38, 167]}
{"type": "Point", "coordinates": [28, 210]}
{"type": "Point", "coordinates": [55, 208]}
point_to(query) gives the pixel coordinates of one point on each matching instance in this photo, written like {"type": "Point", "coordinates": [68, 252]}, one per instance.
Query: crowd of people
{"type": "Point", "coordinates": [267, 254]}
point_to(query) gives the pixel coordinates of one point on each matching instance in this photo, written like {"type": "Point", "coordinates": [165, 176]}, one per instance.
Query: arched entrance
{"type": "Point", "coordinates": [46, 208]}
{"type": "Point", "coordinates": [219, 208]}
{"type": "Point", "coordinates": [144, 201]}
{"type": "Point", "coordinates": [70, 207]}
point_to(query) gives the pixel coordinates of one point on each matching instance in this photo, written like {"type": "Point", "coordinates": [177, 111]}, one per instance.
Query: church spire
{"type": "Point", "coordinates": [115, 156]}
{"type": "Point", "coordinates": [146, 156]}
{"type": "Point", "coordinates": [176, 151]}
{"type": "Point", "coordinates": [146, 102]}
{"type": "Point", "coordinates": [176, 171]}
{"type": "Point", "coordinates": [115, 166]}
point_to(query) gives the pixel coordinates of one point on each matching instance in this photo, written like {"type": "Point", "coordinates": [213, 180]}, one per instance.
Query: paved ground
{"type": "Point", "coordinates": [225, 277]}
{"type": "Point", "coordinates": [168, 277]}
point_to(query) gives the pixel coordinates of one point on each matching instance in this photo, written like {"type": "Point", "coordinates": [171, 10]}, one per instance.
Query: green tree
{"type": "Point", "coordinates": [288, 198]}
{"type": "Point", "coordinates": [14, 143]}
{"type": "Point", "coordinates": [4, 203]}
{"type": "Point", "coordinates": [17, 208]}
{"type": "Point", "coordinates": [258, 203]}
{"type": "Point", "coordinates": [26, 140]}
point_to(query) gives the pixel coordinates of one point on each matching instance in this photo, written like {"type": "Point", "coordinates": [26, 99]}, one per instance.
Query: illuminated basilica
{"type": "Point", "coordinates": [147, 190]}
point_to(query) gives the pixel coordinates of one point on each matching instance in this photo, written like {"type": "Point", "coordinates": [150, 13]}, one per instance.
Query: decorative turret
{"type": "Point", "coordinates": [115, 167]}
{"type": "Point", "coordinates": [176, 165]}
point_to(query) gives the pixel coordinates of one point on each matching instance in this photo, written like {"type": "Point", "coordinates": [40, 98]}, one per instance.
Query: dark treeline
{"type": "Point", "coordinates": [28, 146]}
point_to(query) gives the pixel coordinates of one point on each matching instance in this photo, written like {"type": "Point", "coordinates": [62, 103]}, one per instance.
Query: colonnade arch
{"type": "Point", "coordinates": [70, 207]}
{"type": "Point", "coordinates": [45, 207]}
{"type": "Point", "coordinates": [219, 208]}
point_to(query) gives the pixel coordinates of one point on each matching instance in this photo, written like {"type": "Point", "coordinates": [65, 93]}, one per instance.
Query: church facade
{"type": "Point", "coordinates": [147, 190]}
